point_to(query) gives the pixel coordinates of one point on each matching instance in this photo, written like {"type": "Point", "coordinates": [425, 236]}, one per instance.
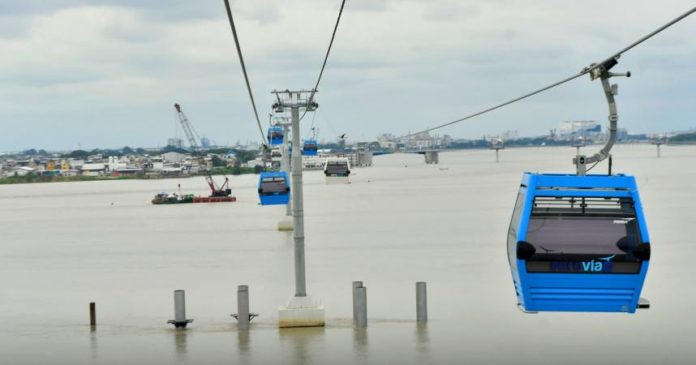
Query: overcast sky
{"type": "Point", "coordinates": [106, 73]}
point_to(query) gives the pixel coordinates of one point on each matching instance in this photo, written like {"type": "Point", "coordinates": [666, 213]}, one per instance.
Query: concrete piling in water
{"type": "Point", "coordinates": [356, 284]}
{"type": "Point", "coordinates": [243, 307]}
{"type": "Point", "coordinates": [359, 304]}
{"type": "Point", "coordinates": [432, 157]}
{"type": "Point", "coordinates": [243, 315]}
{"type": "Point", "coordinates": [179, 305]}
{"type": "Point", "coordinates": [421, 302]}
{"type": "Point", "coordinates": [92, 314]}
{"type": "Point", "coordinates": [180, 320]}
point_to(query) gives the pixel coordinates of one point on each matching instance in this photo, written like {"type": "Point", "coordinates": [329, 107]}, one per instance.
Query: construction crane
{"type": "Point", "coordinates": [223, 190]}
{"type": "Point", "coordinates": [191, 134]}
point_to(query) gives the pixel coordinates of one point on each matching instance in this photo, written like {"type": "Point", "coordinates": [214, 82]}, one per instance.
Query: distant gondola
{"type": "Point", "coordinates": [337, 170]}
{"type": "Point", "coordinates": [310, 148]}
{"type": "Point", "coordinates": [274, 188]}
{"type": "Point", "coordinates": [275, 136]}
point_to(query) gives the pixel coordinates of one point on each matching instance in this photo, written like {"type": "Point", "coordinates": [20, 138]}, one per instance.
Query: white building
{"type": "Point", "coordinates": [175, 142]}
{"type": "Point", "coordinates": [174, 157]}
{"type": "Point", "coordinates": [387, 141]}
{"type": "Point", "coordinates": [569, 130]}
{"type": "Point", "coordinates": [93, 169]}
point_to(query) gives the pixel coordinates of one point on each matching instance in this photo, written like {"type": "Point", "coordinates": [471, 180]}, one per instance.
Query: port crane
{"type": "Point", "coordinates": [223, 190]}
{"type": "Point", "coordinates": [191, 134]}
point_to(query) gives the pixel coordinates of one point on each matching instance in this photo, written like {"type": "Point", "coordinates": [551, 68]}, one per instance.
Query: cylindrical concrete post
{"type": "Point", "coordinates": [421, 302]}
{"type": "Point", "coordinates": [360, 306]}
{"type": "Point", "coordinates": [356, 285]}
{"type": "Point", "coordinates": [180, 320]}
{"type": "Point", "coordinates": [92, 314]}
{"type": "Point", "coordinates": [179, 306]}
{"type": "Point", "coordinates": [243, 306]}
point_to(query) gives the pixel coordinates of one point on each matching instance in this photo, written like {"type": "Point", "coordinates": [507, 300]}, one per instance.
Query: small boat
{"type": "Point", "coordinates": [173, 198]}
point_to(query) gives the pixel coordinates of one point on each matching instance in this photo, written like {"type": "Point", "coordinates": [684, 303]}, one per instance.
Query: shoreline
{"type": "Point", "coordinates": [38, 179]}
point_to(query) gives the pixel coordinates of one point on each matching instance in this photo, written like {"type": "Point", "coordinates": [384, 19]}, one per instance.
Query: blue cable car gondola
{"type": "Point", "coordinates": [274, 188]}
{"type": "Point", "coordinates": [275, 136]}
{"type": "Point", "coordinates": [310, 148]}
{"type": "Point", "coordinates": [580, 242]}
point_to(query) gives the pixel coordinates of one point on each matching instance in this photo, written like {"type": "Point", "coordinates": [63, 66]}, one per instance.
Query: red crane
{"type": "Point", "coordinates": [223, 190]}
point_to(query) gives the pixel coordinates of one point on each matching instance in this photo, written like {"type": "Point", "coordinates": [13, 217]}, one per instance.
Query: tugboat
{"type": "Point", "coordinates": [222, 194]}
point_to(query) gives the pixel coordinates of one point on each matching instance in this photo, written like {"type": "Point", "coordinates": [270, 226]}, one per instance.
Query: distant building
{"type": "Point", "coordinates": [510, 135]}
{"type": "Point", "coordinates": [20, 171]}
{"type": "Point", "coordinates": [387, 141]}
{"type": "Point", "coordinates": [94, 169]}
{"type": "Point", "coordinates": [570, 130]}
{"type": "Point", "coordinates": [205, 142]}
{"type": "Point", "coordinates": [175, 142]}
{"type": "Point", "coordinates": [174, 157]}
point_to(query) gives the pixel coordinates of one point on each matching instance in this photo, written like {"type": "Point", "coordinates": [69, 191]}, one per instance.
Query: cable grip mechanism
{"type": "Point", "coordinates": [602, 73]}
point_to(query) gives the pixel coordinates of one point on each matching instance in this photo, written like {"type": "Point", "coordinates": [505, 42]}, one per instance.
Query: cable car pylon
{"type": "Point", "coordinates": [301, 310]}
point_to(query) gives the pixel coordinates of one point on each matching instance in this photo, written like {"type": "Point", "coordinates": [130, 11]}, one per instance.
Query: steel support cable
{"type": "Point", "coordinates": [326, 57]}
{"type": "Point", "coordinates": [246, 77]}
{"type": "Point", "coordinates": [584, 71]}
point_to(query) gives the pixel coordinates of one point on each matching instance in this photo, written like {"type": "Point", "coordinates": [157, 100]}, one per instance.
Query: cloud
{"type": "Point", "coordinates": [72, 69]}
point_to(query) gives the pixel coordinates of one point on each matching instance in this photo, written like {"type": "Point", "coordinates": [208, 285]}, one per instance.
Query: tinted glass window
{"type": "Point", "coordinates": [334, 168]}
{"type": "Point", "coordinates": [272, 185]}
{"type": "Point", "coordinates": [582, 235]}
{"type": "Point", "coordinates": [589, 235]}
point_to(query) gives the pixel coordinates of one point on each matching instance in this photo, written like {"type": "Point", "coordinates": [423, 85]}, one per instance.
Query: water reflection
{"type": "Point", "coordinates": [243, 340]}
{"type": "Point", "coordinates": [180, 339]}
{"type": "Point", "coordinates": [360, 343]}
{"type": "Point", "coordinates": [300, 340]}
{"type": "Point", "coordinates": [93, 344]}
{"type": "Point", "coordinates": [422, 338]}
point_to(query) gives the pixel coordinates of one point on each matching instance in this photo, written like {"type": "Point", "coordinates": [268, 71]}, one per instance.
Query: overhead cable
{"type": "Point", "coordinates": [246, 77]}
{"type": "Point", "coordinates": [326, 57]}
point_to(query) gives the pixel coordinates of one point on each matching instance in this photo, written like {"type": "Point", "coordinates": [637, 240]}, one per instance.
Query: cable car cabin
{"type": "Point", "coordinates": [337, 170]}
{"type": "Point", "coordinates": [275, 136]}
{"type": "Point", "coordinates": [276, 154]}
{"type": "Point", "coordinates": [274, 188]}
{"type": "Point", "coordinates": [578, 243]}
{"type": "Point", "coordinates": [310, 148]}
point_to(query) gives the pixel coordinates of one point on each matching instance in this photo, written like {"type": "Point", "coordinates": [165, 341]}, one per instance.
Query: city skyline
{"type": "Point", "coordinates": [107, 73]}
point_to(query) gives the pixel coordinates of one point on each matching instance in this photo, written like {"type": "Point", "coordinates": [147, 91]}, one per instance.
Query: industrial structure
{"type": "Point", "coordinates": [191, 134]}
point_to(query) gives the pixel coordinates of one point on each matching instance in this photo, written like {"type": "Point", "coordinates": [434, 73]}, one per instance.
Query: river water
{"type": "Point", "coordinates": [64, 245]}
